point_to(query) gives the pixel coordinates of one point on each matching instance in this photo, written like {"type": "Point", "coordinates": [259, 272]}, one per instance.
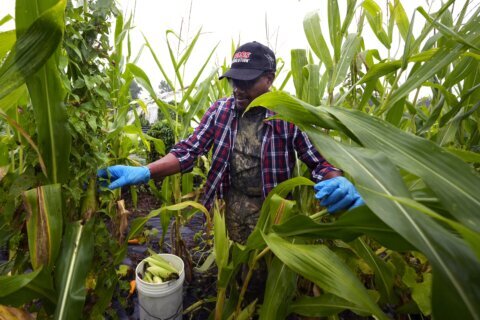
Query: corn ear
{"type": "Point", "coordinates": [159, 271]}
{"type": "Point", "coordinates": [158, 261]}
{"type": "Point", "coordinates": [157, 279]}
{"type": "Point", "coordinates": [147, 277]}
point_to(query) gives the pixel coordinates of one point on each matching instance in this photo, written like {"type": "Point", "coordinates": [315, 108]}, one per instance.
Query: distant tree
{"type": "Point", "coordinates": [135, 90]}
{"type": "Point", "coordinates": [164, 87]}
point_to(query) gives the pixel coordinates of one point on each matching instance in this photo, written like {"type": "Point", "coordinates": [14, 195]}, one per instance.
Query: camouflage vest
{"type": "Point", "coordinates": [244, 197]}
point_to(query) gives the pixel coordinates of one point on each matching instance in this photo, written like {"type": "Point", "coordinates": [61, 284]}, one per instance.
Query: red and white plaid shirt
{"type": "Point", "coordinates": [218, 129]}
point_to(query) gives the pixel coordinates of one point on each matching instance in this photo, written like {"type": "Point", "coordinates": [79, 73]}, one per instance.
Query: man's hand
{"type": "Point", "coordinates": [337, 194]}
{"type": "Point", "coordinates": [124, 175]}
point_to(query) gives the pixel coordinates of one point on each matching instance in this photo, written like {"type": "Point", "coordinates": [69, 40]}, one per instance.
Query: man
{"type": "Point", "coordinates": [250, 154]}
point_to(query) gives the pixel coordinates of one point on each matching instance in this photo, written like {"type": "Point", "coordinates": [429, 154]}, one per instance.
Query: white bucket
{"type": "Point", "coordinates": [161, 300]}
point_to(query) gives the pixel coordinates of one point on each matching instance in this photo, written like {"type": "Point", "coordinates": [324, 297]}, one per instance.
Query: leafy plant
{"type": "Point", "coordinates": [411, 184]}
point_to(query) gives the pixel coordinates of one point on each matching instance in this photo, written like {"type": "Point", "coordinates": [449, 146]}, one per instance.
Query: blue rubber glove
{"type": "Point", "coordinates": [124, 175]}
{"type": "Point", "coordinates": [338, 194]}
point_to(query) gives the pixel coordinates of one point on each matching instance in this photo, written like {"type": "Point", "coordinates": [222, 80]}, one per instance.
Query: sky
{"type": "Point", "coordinates": [276, 23]}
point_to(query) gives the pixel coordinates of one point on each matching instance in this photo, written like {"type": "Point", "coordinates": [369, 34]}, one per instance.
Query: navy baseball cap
{"type": "Point", "coordinates": [250, 61]}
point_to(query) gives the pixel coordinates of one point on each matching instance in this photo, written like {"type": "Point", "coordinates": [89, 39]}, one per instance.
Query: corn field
{"type": "Point", "coordinates": [404, 128]}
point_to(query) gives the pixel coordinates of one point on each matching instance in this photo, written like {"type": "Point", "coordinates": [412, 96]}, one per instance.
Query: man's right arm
{"type": "Point", "coordinates": [163, 167]}
{"type": "Point", "coordinates": [180, 159]}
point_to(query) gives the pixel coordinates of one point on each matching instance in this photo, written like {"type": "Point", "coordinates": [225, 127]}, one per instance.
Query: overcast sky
{"type": "Point", "coordinates": [277, 23]}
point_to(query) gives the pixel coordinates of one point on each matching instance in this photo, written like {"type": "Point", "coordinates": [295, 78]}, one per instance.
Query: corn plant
{"type": "Point", "coordinates": [420, 195]}
{"type": "Point", "coordinates": [50, 160]}
{"type": "Point", "coordinates": [37, 67]}
{"type": "Point", "coordinates": [188, 106]}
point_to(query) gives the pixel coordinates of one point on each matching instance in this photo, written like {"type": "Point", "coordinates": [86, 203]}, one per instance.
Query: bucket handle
{"type": "Point", "coordinates": [168, 318]}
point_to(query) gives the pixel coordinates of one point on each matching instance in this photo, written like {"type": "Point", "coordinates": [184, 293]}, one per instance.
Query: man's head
{"type": "Point", "coordinates": [252, 72]}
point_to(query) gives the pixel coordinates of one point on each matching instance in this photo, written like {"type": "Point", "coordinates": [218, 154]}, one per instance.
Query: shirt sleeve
{"type": "Point", "coordinates": [311, 157]}
{"type": "Point", "coordinates": [198, 143]}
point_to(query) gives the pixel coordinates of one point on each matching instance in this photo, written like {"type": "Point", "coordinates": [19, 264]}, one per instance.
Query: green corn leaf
{"type": "Point", "coordinates": [462, 14]}
{"type": "Point", "coordinates": [453, 262]}
{"type": "Point", "coordinates": [409, 41]}
{"type": "Point", "coordinates": [187, 183]}
{"type": "Point", "coordinates": [422, 294]}
{"type": "Point", "coordinates": [465, 155]}
{"type": "Point", "coordinates": [323, 85]}
{"type": "Point", "coordinates": [426, 31]}
{"type": "Point", "coordinates": [298, 61]}
{"type": "Point", "coordinates": [384, 68]}
{"type": "Point", "coordinates": [136, 131]}
{"type": "Point", "coordinates": [401, 20]}
{"type": "Point", "coordinates": [279, 291]}
{"type": "Point", "coordinates": [45, 87]}
{"type": "Point", "coordinates": [313, 31]}
{"type": "Point", "coordinates": [37, 40]}
{"type": "Point", "coordinates": [159, 65]}
{"type": "Point", "coordinates": [352, 224]}
{"type": "Point", "coordinates": [11, 284]}
{"type": "Point", "coordinates": [121, 31]}
{"type": "Point", "coordinates": [119, 34]}
{"type": "Point", "coordinates": [391, 21]}
{"type": "Point", "coordinates": [395, 113]}
{"type": "Point", "coordinates": [7, 40]}
{"type": "Point", "coordinates": [311, 75]}
{"type": "Point", "coordinates": [255, 240]}
{"type": "Point", "coordinates": [349, 50]}
{"type": "Point", "coordinates": [188, 92]}
{"type": "Point", "coordinates": [384, 274]}
{"type": "Point", "coordinates": [446, 31]}
{"type": "Point", "coordinates": [13, 98]}
{"type": "Point", "coordinates": [299, 109]}
{"type": "Point", "coordinates": [452, 180]}
{"type": "Point", "coordinates": [374, 17]}
{"type": "Point", "coordinates": [27, 138]}
{"type": "Point", "coordinates": [137, 224]}
{"type": "Point", "coordinates": [325, 305]}
{"type": "Point", "coordinates": [221, 245]}
{"type": "Point", "coordinates": [351, 5]}
{"type": "Point", "coordinates": [449, 97]}
{"type": "Point", "coordinates": [315, 262]}
{"type": "Point", "coordinates": [460, 71]}
{"type": "Point", "coordinates": [20, 289]}
{"type": "Point", "coordinates": [470, 236]}
{"type": "Point", "coordinates": [441, 59]}
{"type": "Point", "coordinates": [334, 28]}
{"type": "Point", "coordinates": [281, 281]}
{"type": "Point", "coordinates": [285, 81]}
{"type": "Point", "coordinates": [188, 51]}
{"type": "Point", "coordinates": [436, 110]}
{"type": "Point", "coordinates": [5, 19]}
{"type": "Point", "coordinates": [199, 101]}
{"type": "Point", "coordinates": [173, 60]}
{"type": "Point", "coordinates": [73, 268]}
{"type": "Point", "coordinates": [44, 224]}
{"type": "Point", "coordinates": [143, 80]}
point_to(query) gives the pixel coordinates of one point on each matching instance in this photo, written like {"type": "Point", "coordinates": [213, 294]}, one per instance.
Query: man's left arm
{"type": "Point", "coordinates": [332, 189]}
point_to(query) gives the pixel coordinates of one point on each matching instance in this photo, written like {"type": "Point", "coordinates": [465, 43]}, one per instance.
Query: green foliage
{"type": "Point", "coordinates": [399, 126]}
{"type": "Point", "coordinates": [386, 123]}
{"type": "Point", "coordinates": [160, 130]}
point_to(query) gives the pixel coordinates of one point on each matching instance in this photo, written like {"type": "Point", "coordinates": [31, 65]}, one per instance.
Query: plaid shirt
{"type": "Point", "coordinates": [218, 128]}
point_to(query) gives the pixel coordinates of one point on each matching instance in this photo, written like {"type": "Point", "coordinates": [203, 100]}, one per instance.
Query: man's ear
{"type": "Point", "coordinates": [270, 76]}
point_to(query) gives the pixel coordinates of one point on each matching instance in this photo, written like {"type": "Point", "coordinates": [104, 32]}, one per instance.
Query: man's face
{"type": "Point", "coordinates": [246, 91]}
